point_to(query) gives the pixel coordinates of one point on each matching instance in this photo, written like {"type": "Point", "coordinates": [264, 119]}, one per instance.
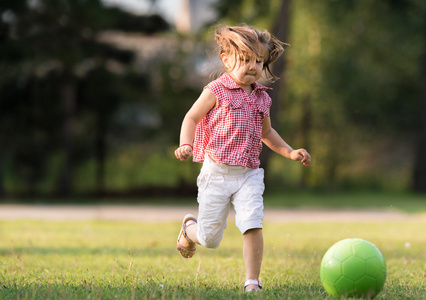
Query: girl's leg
{"type": "Point", "coordinates": [191, 231]}
{"type": "Point", "coordinates": [253, 254]}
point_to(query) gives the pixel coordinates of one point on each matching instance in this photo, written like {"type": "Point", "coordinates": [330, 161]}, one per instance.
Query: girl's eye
{"type": "Point", "coordinates": [249, 60]}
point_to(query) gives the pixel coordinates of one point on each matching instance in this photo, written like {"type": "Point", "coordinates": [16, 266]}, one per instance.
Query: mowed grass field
{"type": "Point", "coordinates": [99, 259]}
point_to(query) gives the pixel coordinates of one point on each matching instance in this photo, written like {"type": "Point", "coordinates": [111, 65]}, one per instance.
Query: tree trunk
{"type": "Point", "coordinates": [2, 192]}
{"type": "Point", "coordinates": [68, 99]}
{"type": "Point", "coordinates": [281, 32]}
{"type": "Point", "coordinates": [419, 180]}
{"type": "Point", "coordinates": [306, 127]}
{"type": "Point", "coordinates": [100, 154]}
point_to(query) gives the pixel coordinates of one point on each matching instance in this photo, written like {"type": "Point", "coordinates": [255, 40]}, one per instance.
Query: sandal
{"type": "Point", "coordinates": [186, 252]}
{"type": "Point", "coordinates": [248, 282]}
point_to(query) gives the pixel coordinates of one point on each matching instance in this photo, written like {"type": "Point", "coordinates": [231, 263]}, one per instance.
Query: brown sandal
{"type": "Point", "coordinates": [185, 251]}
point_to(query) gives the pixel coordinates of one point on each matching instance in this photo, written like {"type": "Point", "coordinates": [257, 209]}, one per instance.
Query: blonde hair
{"type": "Point", "coordinates": [244, 41]}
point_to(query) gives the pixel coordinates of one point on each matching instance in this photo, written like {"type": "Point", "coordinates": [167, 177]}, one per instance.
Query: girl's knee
{"type": "Point", "coordinates": [210, 233]}
{"type": "Point", "coordinates": [212, 242]}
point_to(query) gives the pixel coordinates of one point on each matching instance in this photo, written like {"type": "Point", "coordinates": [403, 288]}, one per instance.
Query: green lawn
{"type": "Point", "coordinates": [361, 200]}
{"type": "Point", "coordinates": [129, 260]}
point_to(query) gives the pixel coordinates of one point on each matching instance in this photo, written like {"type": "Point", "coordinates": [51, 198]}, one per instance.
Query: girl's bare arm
{"type": "Point", "coordinates": [199, 109]}
{"type": "Point", "coordinates": [276, 143]}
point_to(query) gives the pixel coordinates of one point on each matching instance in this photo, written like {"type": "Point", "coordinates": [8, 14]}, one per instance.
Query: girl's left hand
{"type": "Point", "coordinates": [301, 155]}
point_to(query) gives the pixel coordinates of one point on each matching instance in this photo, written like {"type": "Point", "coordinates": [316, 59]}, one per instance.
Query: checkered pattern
{"type": "Point", "coordinates": [231, 132]}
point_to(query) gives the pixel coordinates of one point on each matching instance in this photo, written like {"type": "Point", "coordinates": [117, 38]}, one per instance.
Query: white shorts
{"type": "Point", "coordinates": [218, 187]}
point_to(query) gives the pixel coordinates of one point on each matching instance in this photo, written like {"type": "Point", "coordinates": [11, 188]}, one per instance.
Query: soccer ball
{"type": "Point", "coordinates": [353, 268]}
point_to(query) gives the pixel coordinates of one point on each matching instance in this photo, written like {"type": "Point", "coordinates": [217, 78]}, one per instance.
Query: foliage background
{"type": "Point", "coordinates": [83, 114]}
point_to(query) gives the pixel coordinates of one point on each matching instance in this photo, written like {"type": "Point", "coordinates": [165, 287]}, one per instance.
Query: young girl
{"type": "Point", "coordinates": [227, 125]}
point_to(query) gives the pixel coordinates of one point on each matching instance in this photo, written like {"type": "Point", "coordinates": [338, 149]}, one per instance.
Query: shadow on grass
{"type": "Point", "coordinates": [79, 251]}
{"type": "Point", "coordinates": [141, 286]}
{"type": "Point", "coordinates": [132, 289]}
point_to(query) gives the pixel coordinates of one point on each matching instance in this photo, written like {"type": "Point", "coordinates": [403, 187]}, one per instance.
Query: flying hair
{"type": "Point", "coordinates": [245, 42]}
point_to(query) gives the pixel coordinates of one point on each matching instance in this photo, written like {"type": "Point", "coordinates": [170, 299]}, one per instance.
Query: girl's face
{"type": "Point", "coordinates": [244, 70]}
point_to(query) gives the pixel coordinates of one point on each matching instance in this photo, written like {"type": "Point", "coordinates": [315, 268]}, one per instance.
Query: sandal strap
{"type": "Point", "coordinates": [184, 226]}
{"type": "Point", "coordinates": [190, 222]}
{"type": "Point", "coordinates": [191, 219]}
{"type": "Point", "coordinates": [252, 281]}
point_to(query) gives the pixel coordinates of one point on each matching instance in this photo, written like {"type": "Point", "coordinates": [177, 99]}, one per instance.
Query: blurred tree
{"type": "Point", "coordinates": [281, 30]}
{"type": "Point", "coordinates": [51, 50]}
{"type": "Point", "coordinates": [351, 78]}
{"type": "Point", "coordinates": [419, 180]}
{"type": "Point", "coordinates": [370, 65]}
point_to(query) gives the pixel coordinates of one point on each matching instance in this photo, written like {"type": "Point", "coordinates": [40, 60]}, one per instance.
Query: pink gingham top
{"type": "Point", "coordinates": [231, 132]}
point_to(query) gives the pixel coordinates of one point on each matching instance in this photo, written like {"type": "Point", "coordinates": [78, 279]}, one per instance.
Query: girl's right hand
{"type": "Point", "coordinates": [183, 152]}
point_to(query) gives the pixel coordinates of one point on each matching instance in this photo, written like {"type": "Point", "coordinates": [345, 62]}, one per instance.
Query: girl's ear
{"type": "Point", "coordinates": [225, 59]}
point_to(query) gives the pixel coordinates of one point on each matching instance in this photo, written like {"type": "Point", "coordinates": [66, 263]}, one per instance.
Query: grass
{"type": "Point", "coordinates": [361, 200]}
{"type": "Point", "coordinates": [274, 198]}
{"type": "Point", "coordinates": [131, 260]}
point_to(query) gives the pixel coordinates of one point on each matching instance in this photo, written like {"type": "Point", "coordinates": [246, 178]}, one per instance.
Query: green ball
{"type": "Point", "coordinates": [353, 268]}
